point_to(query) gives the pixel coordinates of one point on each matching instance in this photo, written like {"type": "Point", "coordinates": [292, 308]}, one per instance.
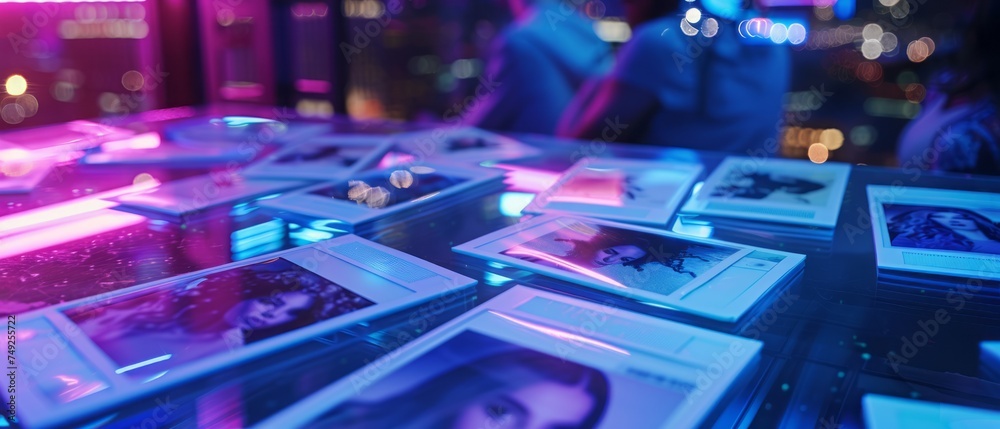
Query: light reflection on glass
{"type": "Point", "coordinates": [560, 334]}
{"type": "Point", "coordinates": [524, 251]}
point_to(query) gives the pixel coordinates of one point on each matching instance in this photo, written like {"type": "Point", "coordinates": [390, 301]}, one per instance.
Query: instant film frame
{"type": "Point", "coordinates": [887, 412]}
{"type": "Point", "coordinates": [775, 190]}
{"type": "Point", "coordinates": [85, 377]}
{"type": "Point", "coordinates": [190, 195]}
{"type": "Point", "coordinates": [633, 191]}
{"type": "Point", "coordinates": [649, 380]}
{"type": "Point", "coordinates": [358, 200]}
{"type": "Point", "coordinates": [329, 157]}
{"type": "Point", "coordinates": [462, 144]}
{"type": "Point", "coordinates": [55, 140]}
{"type": "Point", "coordinates": [721, 281]}
{"type": "Point", "coordinates": [235, 129]}
{"type": "Point", "coordinates": [936, 231]}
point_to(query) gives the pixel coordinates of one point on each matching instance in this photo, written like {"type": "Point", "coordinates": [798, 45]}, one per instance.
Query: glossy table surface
{"type": "Point", "coordinates": [822, 352]}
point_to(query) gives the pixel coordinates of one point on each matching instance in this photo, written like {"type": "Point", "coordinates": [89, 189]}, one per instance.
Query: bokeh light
{"type": "Point", "coordinates": [710, 27]}
{"type": "Point", "coordinates": [16, 85]}
{"type": "Point", "coordinates": [832, 138]}
{"type": "Point", "coordinates": [133, 80]}
{"type": "Point", "coordinates": [693, 15]}
{"type": "Point", "coordinates": [818, 153]}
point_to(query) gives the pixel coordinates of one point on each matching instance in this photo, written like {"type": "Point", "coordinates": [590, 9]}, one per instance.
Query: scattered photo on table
{"type": "Point", "coordinates": [943, 228]}
{"type": "Point", "coordinates": [382, 189]}
{"type": "Point", "coordinates": [475, 381]}
{"type": "Point", "coordinates": [936, 231]}
{"type": "Point", "coordinates": [151, 332]}
{"type": "Point", "coordinates": [785, 191]}
{"type": "Point", "coordinates": [635, 259]}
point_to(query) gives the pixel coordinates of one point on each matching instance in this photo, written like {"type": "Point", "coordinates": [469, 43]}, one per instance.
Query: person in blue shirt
{"type": "Point", "coordinates": [958, 128]}
{"type": "Point", "coordinates": [709, 91]}
{"type": "Point", "coordinates": [537, 65]}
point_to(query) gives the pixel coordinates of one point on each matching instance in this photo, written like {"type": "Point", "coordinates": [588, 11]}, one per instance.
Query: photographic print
{"type": "Point", "coordinates": [622, 257]}
{"type": "Point", "coordinates": [943, 228]}
{"type": "Point", "coordinates": [326, 154]}
{"type": "Point", "coordinates": [149, 333]}
{"type": "Point", "coordinates": [382, 189]}
{"type": "Point", "coordinates": [775, 186]}
{"type": "Point", "coordinates": [475, 381]}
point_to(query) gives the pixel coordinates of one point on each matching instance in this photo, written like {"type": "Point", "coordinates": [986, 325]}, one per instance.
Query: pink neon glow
{"type": "Point", "coordinates": [70, 381]}
{"type": "Point", "coordinates": [77, 390]}
{"type": "Point", "coordinates": [242, 92]}
{"type": "Point", "coordinates": [524, 251]}
{"type": "Point", "coordinates": [141, 141]}
{"type": "Point", "coordinates": [562, 335]}
{"type": "Point", "coordinates": [71, 1]}
{"type": "Point", "coordinates": [56, 212]}
{"type": "Point", "coordinates": [26, 334]}
{"type": "Point", "coordinates": [167, 114]}
{"type": "Point", "coordinates": [312, 85]}
{"type": "Point", "coordinates": [84, 226]}
{"type": "Point", "coordinates": [525, 179]}
{"type": "Point", "coordinates": [393, 159]}
{"type": "Point", "coordinates": [613, 202]}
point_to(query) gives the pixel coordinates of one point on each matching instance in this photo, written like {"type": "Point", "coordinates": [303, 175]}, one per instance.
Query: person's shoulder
{"type": "Point", "coordinates": [663, 32]}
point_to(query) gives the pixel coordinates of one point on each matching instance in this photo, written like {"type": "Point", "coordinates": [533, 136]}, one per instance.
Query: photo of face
{"type": "Point", "coordinates": [943, 228]}
{"type": "Point", "coordinates": [150, 332]}
{"type": "Point", "coordinates": [622, 257]}
{"type": "Point", "coordinates": [330, 154]}
{"type": "Point", "coordinates": [775, 186]}
{"type": "Point", "coordinates": [477, 381]}
{"type": "Point", "coordinates": [381, 189]}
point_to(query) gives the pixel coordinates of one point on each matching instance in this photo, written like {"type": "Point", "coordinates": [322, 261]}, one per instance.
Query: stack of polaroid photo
{"type": "Point", "coordinates": [632, 191]}
{"type": "Point", "coordinates": [385, 195]}
{"type": "Point", "coordinates": [706, 282]}
{"type": "Point", "coordinates": [938, 245]}
{"type": "Point", "coordinates": [465, 145]}
{"type": "Point", "coordinates": [773, 202]}
{"type": "Point", "coordinates": [532, 359]}
{"type": "Point", "coordinates": [131, 344]}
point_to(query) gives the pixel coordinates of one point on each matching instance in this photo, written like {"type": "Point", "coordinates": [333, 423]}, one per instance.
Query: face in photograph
{"type": "Point", "coordinates": [513, 387]}
{"type": "Point", "coordinates": [622, 257]}
{"type": "Point", "coordinates": [385, 189]}
{"type": "Point", "coordinates": [215, 313]}
{"type": "Point", "coordinates": [942, 228]}
{"type": "Point", "coordinates": [774, 186]}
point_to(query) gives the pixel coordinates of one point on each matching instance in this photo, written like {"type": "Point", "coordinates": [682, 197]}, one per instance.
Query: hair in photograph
{"type": "Point", "coordinates": [943, 228]}
{"type": "Point", "coordinates": [478, 395]}
{"type": "Point", "coordinates": [652, 249]}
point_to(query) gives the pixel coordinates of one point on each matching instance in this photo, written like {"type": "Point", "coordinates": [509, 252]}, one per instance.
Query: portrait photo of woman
{"type": "Point", "coordinates": [211, 314]}
{"type": "Point", "coordinates": [620, 256]}
{"type": "Point", "coordinates": [476, 381]}
{"type": "Point", "coordinates": [772, 186]}
{"type": "Point", "coordinates": [942, 228]}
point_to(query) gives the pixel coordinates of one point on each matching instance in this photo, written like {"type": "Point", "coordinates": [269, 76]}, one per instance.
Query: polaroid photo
{"type": "Point", "coordinates": [633, 191]}
{"type": "Point", "coordinates": [134, 342]}
{"type": "Point", "coordinates": [19, 175]}
{"type": "Point", "coordinates": [242, 129]}
{"type": "Point", "coordinates": [331, 157]}
{"type": "Point", "coordinates": [462, 144]}
{"type": "Point", "coordinates": [186, 196]}
{"type": "Point", "coordinates": [380, 193]}
{"type": "Point", "coordinates": [707, 278]}
{"type": "Point", "coordinates": [887, 412]}
{"type": "Point", "coordinates": [936, 231]}
{"type": "Point", "coordinates": [774, 190]}
{"type": "Point", "coordinates": [522, 360]}
{"type": "Point", "coordinates": [168, 155]}
{"type": "Point", "coordinates": [66, 139]}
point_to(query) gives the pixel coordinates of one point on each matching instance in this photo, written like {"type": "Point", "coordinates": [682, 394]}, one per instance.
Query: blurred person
{"type": "Point", "coordinates": [537, 65]}
{"type": "Point", "coordinates": [670, 89]}
{"type": "Point", "coordinates": [958, 127]}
